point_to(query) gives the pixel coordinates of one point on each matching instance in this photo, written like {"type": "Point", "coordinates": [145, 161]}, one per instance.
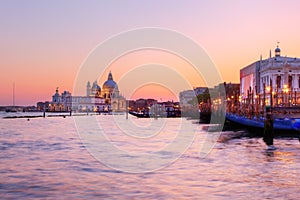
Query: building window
{"type": "Point", "coordinates": [278, 82]}
{"type": "Point", "coordinates": [290, 81]}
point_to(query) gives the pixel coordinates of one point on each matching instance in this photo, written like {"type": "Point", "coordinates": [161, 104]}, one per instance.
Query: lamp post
{"type": "Point", "coordinates": [291, 102]}
{"type": "Point", "coordinates": [264, 96]}
{"type": "Point", "coordinates": [271, 94]}
{"type": "Point", "coordinates": [269, 100]}
{"type": "Point", "coordinates": [286, 90]}
{"type": "Point", "coordinates": [295, 102]}
{"type": "Point", "coordinates": [276, 96]}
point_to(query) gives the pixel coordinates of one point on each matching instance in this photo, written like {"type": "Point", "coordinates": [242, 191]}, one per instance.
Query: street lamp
{"type": "Point", "coordinates": [285, 90]}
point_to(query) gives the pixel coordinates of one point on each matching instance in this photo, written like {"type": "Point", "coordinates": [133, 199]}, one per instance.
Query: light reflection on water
{"type": "Point", "coordinates": [44, 158]}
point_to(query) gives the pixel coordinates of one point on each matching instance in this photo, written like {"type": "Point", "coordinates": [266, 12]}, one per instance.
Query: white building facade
{"type": "Point", "coordinates": [96, 100]}
{"type": "Point", "coordinates": [275, 81]}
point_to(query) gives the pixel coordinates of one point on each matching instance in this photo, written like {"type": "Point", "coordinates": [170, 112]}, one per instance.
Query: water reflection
{"type": "Point", "coordinates": [44, 158]}
{"type": "Point", "coordinates": [281, 156]}
{"type": "Point", "coordinates": [269, 155]}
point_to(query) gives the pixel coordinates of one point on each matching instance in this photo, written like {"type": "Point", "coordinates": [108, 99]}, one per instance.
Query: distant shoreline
{"type": "Point", "coordinates": [61, 114]}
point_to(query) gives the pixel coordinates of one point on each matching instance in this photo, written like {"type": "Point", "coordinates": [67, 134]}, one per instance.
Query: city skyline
{"type": "Point", "coordinates": [45, 43]}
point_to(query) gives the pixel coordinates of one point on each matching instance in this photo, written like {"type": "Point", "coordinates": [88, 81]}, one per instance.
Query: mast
{"type": "Point", "coordinates": [13, 94]}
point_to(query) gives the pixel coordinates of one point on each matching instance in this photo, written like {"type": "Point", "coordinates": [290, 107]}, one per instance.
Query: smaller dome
{"type": "Point", "coordinates": [277, 52]}
{"type": "Point", "coordinates": [96, 86]}
{"type": "Point", "coordinates": [56, 92]}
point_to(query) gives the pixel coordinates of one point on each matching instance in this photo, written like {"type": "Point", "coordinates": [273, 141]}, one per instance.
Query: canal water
{"type": "Point", "coordinates": [48, 158]}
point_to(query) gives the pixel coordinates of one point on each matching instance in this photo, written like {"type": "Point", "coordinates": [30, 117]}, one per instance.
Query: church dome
{"type": "Point", "coordinates": [96, 86]}
{"type": "Point", "coordinates": [110, 84]}
{"type": "Point", "coordinates": [277, 51]}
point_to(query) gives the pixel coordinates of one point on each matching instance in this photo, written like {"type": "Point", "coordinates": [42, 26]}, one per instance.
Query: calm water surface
{"type": "Point", "coordinates": [45, 158]}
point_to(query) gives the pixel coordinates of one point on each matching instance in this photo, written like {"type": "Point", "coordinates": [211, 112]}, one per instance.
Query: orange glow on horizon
{"type": "Point", "coordinates": [122, 67]}
{"type": "Point", "coordinates": [40, 54]}
{"type": "Point", "coordinates": [158, 93]}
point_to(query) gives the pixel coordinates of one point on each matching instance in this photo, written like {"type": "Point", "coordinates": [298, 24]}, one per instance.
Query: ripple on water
{"type": "Point", "coordinates": [44, 158]}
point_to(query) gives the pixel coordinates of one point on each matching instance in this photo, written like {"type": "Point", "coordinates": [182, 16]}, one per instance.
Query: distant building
{"type": "Point", "coordinates": [141, 105]}
{"type": "Point", "coordinates": [41, 106]}
{"type": "Point", "coordinates": [278, 74]}
{"type": "Point", "coordinates": [96, 100]}
{"type": "Point", "coordinates": [186, 97]}
{"type": "Point", "coordinates": [107, 99]}
{"type": "Point", "coordinates": [152, 106]}
{"type": "Point", "coordinates": [232, 90]}
{"type": "Point", "coordinates": [61, 102]}
{"type": "Point", "coordinates": [200, 90]}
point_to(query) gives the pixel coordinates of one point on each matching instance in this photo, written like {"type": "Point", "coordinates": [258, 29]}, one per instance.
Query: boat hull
{"type": "Point", "coordinates": [165, 115]}
{"type": "Point", "coordinates": [282, 127]}
{"type": "Point", "coordinates": [140, 115]}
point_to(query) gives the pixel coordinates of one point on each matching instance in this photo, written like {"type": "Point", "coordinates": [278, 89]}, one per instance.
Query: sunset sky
{"type": "Point", "coordinates": [44, 43]}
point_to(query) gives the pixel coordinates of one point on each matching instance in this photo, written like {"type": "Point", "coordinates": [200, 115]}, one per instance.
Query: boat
{"type": "Point", "coordinates": [13, 109]}
{"type": "Point", "coordinates": [140, 114]}
{"type": "Point", "coordinates": [283, 125]}
{"type": "Point", "coordinates": [170, 114]}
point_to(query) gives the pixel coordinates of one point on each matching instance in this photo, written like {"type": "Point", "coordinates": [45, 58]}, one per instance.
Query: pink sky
{"type": "Point", "coordinates": [44, 43]}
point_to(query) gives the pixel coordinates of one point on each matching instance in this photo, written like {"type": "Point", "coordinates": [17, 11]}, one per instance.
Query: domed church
{"type": "Point", "coordinates": [110, 93]}
{"type": "Point", "coordinates": [96, 99]}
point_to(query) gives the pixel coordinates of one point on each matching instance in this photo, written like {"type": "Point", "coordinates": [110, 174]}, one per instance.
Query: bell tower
{"type": "Point", "coordinates": [88, 89]}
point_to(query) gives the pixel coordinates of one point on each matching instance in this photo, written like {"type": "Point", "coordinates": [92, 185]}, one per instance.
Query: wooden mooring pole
{"type": "Point", "coordinates": [268, 127]}
{"type": "Point", "coordinates": [127, 109]}
{"type": "Point", "coordinates": [269, 121]}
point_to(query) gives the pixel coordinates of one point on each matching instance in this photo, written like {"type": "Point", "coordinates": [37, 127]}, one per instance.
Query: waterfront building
{"type": "Point", "coordinates": [141, 105]}
{"type": "Point", "coordinates": [186, 97]}
{"type": "Point", "coordinates": [41, 106]}
{"type": "Point", "coordinates": [152, 107]}
{"type": "Point", "coordinates": [89, 104]}
{"type": "Point", "coordinates": [200, 90]}
{"type": "Point", "coordinates": [61, 102]}
{"type": "Point", "coordinates": [96, 100]}
{"type": "Point", "coordinates": [232, 96]}
{"type": "Point", "coordinates": [274, 81]}
{"type": "Point", "coordinates": [103, 100]}
{"type": "Point", "coordinates": [193, 101]}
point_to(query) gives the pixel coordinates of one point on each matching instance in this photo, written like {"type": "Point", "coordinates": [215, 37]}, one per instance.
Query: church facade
{"type": "Point", "coordinates": [107, 99]}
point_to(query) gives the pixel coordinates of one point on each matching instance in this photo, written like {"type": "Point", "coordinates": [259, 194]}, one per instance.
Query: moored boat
{"type": "Point", "coordinates": [173, 114]}
{"type": "Point", "coordinates": [139, 114]}
{"type": "Point", "coordinates": [286, 125]}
